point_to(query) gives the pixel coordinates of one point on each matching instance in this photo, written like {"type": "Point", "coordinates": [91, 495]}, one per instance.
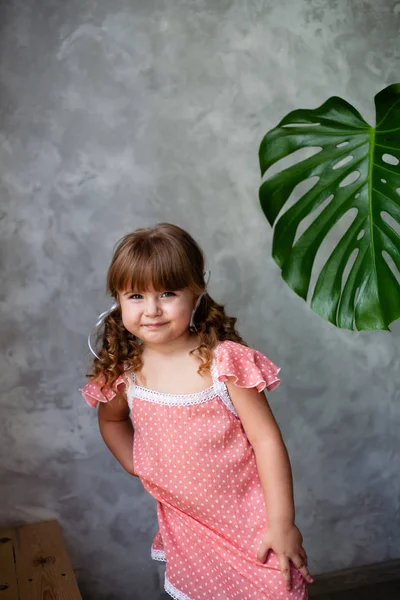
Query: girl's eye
{"type": "Point", "coordinates": [140, 297]}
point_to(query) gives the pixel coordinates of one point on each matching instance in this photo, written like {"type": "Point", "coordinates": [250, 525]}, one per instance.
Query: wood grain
{"type": "Point", "coordinates": [42, 566]}
{"type": "Point", "coordinates": [8, 572]}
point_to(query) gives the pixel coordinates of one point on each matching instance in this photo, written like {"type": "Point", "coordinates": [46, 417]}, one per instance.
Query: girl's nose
{"type": "Point", "coordinates": [152, 308]}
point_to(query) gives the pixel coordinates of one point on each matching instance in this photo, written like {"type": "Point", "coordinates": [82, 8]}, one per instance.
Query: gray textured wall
{"type": "Point", "coordinates": [126, 113]}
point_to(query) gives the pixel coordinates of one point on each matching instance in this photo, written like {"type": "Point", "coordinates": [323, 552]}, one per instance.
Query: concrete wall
{"type": "Point", "coordinates": [121, 114]}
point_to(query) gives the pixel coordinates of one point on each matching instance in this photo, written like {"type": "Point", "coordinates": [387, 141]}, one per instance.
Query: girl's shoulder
{"type": "Point", "coordinates": [246, 366]}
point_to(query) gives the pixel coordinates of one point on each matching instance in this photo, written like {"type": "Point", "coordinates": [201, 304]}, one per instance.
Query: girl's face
{"type": "Point", "coordinates": [157, 317]}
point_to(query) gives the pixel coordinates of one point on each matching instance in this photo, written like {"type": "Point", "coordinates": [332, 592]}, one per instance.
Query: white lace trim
{"type": "Point", "coordinates": [158, 555]}
{"type": "Point", "coordinates": [137, 391]}
{"type": "Point", "coordinates": [174, 592]}
{"type": "Point", "coordinates": [217, 389]}
{"type": "Point", "coordinates": [173, 399]}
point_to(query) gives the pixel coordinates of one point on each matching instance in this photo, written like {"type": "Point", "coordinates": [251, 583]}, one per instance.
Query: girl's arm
{"type": "Point", "coordinates": [117, 431]}
{"type": "Point", "coordinates": [275, 473]}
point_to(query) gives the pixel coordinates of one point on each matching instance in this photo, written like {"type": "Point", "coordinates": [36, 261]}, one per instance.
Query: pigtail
{"type": "Point", "coordinates": [119, 350]}
{"type": "Point", "coordinates": [213, 325]}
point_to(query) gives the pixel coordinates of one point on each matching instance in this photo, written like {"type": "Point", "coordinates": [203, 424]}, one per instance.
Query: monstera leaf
{"type": "Point", "coordinates": [356, 167]}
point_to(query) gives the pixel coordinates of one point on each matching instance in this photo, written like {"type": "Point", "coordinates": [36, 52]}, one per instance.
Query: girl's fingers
{"type": "Point", "coordinates": [285, 570]}
{"type": "Point", "coordinates": [301, 565]}
{"type": "Point", "coordinates": [302, 553]}
{"type": "Point", "coordinates": [262, 552]}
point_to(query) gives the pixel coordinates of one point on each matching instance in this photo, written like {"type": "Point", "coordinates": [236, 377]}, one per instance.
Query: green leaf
{"type": "Point", "coordinates": [369, 297]}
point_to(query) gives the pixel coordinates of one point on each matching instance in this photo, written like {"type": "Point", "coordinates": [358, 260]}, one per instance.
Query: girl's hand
{"type": "Point", "coordinates": [286, 541]}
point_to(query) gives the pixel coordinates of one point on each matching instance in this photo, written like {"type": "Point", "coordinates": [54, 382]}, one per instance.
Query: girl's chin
{"type": "Point", "coordinates": [163, 335]}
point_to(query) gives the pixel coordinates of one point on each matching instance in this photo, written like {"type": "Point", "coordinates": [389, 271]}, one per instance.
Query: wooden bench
{"type": "Point", "coordinates": [34, 564]}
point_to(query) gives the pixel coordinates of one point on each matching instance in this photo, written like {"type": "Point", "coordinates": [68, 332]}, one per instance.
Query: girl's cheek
{"type": "Point", "coordinates": [128, 316]}
{"type": "Point", "coordinates": [124, 320]}
{"type": "Point", "coordinates": [183, 312]}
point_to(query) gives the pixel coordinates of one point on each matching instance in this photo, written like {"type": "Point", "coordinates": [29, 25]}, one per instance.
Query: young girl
{"type": "Point", "coordinates": [182, 407]}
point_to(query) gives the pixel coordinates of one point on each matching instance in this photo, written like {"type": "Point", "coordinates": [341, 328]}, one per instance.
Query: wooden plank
{"type": "Point", "coordinates": [43, 568]}
{"type": "Point", "coordinates": [8, 573]}
{"type": "Point", "coordinates": [339, 581]}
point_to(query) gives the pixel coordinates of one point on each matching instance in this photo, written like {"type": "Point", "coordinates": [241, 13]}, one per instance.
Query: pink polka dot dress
{"type": "Point", "coordinates": [193, 456]}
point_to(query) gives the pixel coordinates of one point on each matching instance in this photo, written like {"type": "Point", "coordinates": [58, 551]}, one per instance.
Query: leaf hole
{"type": "Point", "coordinates": [354, 306]}
{"type": "Point", "coordinates": [329, 244]}
{"type": "Point", "coordinates": [342, 162]}
{"type": "Point", "coordinates": [383, 180]}
{"type": "Point", "coordinates": [357, 195]}
{"type": "Point", "coordinates": [398, 191]}
{"type": "Point", "coordinates": [302, 188]}
{"type": "Point", "coordinates": [361, 234]}
{"type": "Point", "coordinates": [350, 178]}
{"type": "Point", "coordinates": [392, 265]}
{"type": "Point", "coordinates": [292, 159]}
{"type": "Point", "coordinates": [342, 144]}
{"type": "Point", "coordinates": [390, 221]}
{"type": "Point", "coordinates": [390, 159]}
{"type": "Point", "coordinates": [310, 218]}
{"type": "Point", "coordinates": [301, 125]}
{"type": "Point", "coordinates": [349, 266]}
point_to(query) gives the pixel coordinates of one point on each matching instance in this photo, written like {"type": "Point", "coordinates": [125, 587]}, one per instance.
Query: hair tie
{"type": "Point", "coordinates": [206, 274]}
{"type": "Point", "coordinates": [100, 321]}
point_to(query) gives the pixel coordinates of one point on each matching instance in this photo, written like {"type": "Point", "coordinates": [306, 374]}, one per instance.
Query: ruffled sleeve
{"type": "Point", "coordinates": [248, 368]}
{"type": "Point", "coordinates": [93, 394]}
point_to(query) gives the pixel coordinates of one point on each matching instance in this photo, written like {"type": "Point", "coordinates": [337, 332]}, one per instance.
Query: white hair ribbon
{"type": "Point", "coordinates": [208, 275]}
{"type": "Point", "coordinates": [100, 321]}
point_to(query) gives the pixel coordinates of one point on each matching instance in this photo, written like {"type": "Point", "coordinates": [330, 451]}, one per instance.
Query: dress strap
{"type": "Point", "coordinates": [219, 386]}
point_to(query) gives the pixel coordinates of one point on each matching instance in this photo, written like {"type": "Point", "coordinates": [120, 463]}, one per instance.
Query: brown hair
{"type": "Point", "coordinates": [168, 258]}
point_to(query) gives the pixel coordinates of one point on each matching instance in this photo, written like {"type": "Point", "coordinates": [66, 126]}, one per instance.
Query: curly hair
{"type": "Point", "coordinates": [167, 258]}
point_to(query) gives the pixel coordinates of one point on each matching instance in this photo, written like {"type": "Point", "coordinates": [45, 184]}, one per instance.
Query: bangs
{"type": "Point", "coordinates": [144, 263]}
